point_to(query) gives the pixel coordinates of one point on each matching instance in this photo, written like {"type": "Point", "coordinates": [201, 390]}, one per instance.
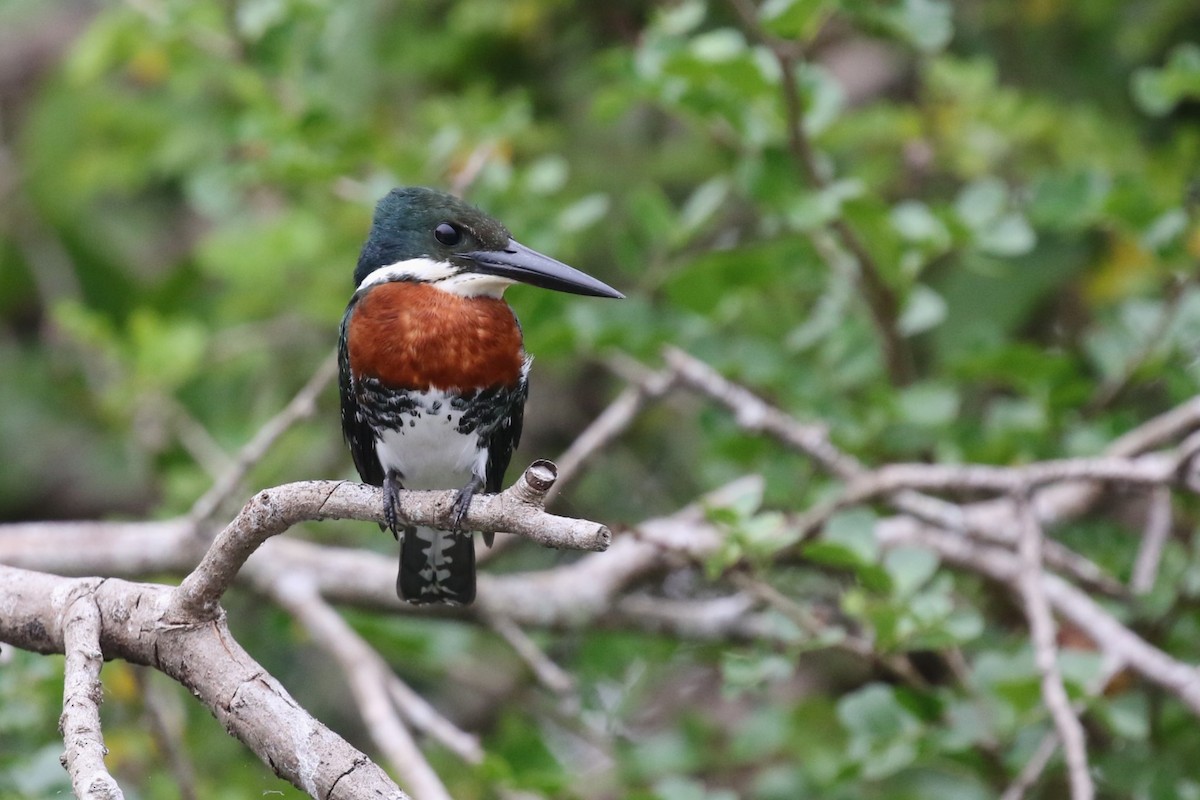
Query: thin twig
{"type": "Point", "coordinates": [1154, 539]}
{"type": "Point", "coordinates": [611, 423]}
{"type": "Point", "coordinates": [302, 406]}
{"type": "Point", "coordinates": [1043, 633]}
{"type": "Point", "coordinates": [166, 721]}
{"type": "Point", "coordinates": [898, 666]}
{"type": "Point", "coordinates": [1034, 767]}
{"type": "Point", "coordinates": [1113, 387]}
{"type": "Point", "coordinates": [753, 414]}
{"type": "Point", "coordinates": [880, 299]}
{"type": "Point", "coordinates": [548, 674]}
{"type": "Point", "coordinates": [354, 654]}
{"type": "Point", "coordinates": [1114, 638]}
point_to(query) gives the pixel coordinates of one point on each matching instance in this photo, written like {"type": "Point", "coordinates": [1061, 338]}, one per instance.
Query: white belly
{"type": "Point", "coordinates": [428, 451]}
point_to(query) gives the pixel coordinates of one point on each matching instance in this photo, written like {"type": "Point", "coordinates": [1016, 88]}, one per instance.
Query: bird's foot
{"type": "Point", "coordinates": [462, 502]}
{"type": "Point", "coordinates": [391, 501]}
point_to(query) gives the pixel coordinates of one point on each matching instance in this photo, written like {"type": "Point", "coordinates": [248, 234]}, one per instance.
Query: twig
{"type": "Point", "coordinates": [1040, 759]}
{"type": "Point", "coordinates": [302, 406]}
{"type": "Point", "coordinates": [756, 415]}
{"type": "Point", "coordinates": [468, 171]}
{"type": "Point", "coordinates": [880, 299]}
{"type": "Point", "coordinates": [1033, 768]}
{"type": "Point", "coordinates": [861, 647]}
{"type": "Point", "coordinates": [518, 509]}
{"type": "Point", "coordinates": [1042, 632]}
{"type": "Point", "coordinates": [367, 677]}
{"type": "Point", "coordinates": [548, 674]}
{"type": "Point", "coordinates": [1112, 388]}
{"type": "Point", "coordinates": [1153, 469]}
{"type": "Point", "coordinates": [82, 694]}
{"type": "Point", "coordinates": [355, 654]}
{"type": "Point", "coordinates": [611, 423]}
{"type": "Point", "coordinates": [1110, 635]}
{"type": "Point", "coordinates": [1154, 539]}
{"type": "Point", "coordinates": [167, 723]}
{"type": "Point", "coordinates": [753, 414]}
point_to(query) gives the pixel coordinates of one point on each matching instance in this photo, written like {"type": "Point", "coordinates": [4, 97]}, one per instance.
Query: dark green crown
{"type": "Point", "coordinates": [411, 222]}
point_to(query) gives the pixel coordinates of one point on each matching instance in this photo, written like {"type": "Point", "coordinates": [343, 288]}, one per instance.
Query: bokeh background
{"type": "Point", "coordinates": [184, 187]}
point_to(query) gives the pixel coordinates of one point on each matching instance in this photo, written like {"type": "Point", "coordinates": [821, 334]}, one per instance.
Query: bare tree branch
{"type": "Point", "coordinates": [519, 509]}
{"type": "Point", "coordinates": [1110, 635]}
{"type": "Point", "coordinates": [368, 678]}
{"type": "Point", "coordinates": [548, 674]}
{"type": "Point", "coordinates": [1033, 768]}
{"type": "Point", "coordinates": [301, 407]}
{"type": "Point", "coordinates": [752, 414]}
{"type": "Point", "coordinates": [612, 422]}
{"type": "Point", "coordinates": [873, 288]}
{"type": "Point", "coordinates": [82, 694]}
{"type": "Point", "coordinates": [205, 658]}
{"type": "Point", "coordinates": [1042, 632]}
{"type": "Point", "coordinates": [358, 659]}
{"type": "Point", "coordinates": [1154, 539]}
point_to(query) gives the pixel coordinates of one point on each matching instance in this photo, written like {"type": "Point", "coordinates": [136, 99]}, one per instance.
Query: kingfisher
{"type": "Point", "coordinates": [433, 373]}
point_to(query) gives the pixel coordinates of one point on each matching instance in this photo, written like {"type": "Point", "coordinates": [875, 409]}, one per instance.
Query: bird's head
{"type": "Point", "coordinates": [427, 236]}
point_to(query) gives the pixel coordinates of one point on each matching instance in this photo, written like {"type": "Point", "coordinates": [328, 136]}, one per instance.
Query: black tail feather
{"type": "Point", "coordinates": [436, 567]}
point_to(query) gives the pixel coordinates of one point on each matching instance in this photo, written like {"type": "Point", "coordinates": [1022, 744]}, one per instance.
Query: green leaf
{"type": "Point", "coordinates": [1158, 91]}
{"type": "Point", "coordinates": [824, 97]}
{"type": "Point", "coordinates": [1009, 236]}
{"type": "Point", "coordinates": [913, 220]}
{"type": "Point", "coordinates": [794, 19]}
{"type": "Point", "coordinates": [703, 203]}
{"type": "Point", "coordinates": [981, 202]}
{"type": "Point", "coordinates": [583, 213]}
{"type": "Point", "coordinates": [1069, 201]}
{"type": "Point", "coordinates": [927, 25]}
{"type": "Point", "coordinates": [909, 568]}
{"type": "Point", "coordinates": [682, 18]}
{"type": "Point", "coordinates": [854, 530]}
{"type": "Point", "coordinates": [924, 310]}
{"type": "Point", "coordinates": [719, 46]}
{"type": "Point", "coordinates": [816, 208]}
{"type": "Point", "coordinates": [882, 731]}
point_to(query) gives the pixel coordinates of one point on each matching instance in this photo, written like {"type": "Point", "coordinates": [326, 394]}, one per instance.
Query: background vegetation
{"type": "Point", "coordinates": [972, 238]}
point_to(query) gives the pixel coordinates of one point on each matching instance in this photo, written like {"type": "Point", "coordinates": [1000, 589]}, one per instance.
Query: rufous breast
{"type": "Point", "coordinates": [416, 336]}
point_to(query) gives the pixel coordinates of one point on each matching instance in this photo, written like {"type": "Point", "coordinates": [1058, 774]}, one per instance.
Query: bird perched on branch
{"type": "Point", "coordinates": [433, 370]}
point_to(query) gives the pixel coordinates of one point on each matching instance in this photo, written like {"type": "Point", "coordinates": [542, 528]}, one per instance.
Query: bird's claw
{"type": "Point", "coordinates": [391, 502]}
{"type": "Point", "coordinates": [462, 503]}
{"type": "Point", "coordinates": [458, 511]}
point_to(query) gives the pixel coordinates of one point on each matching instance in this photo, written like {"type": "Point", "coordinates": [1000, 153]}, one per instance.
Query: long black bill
{"type": "Point", "coordinates": [519, 263]}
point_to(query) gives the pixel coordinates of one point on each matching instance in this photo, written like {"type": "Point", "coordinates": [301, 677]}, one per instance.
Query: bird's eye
{"type": "Point", "coordinates": [447, 234]}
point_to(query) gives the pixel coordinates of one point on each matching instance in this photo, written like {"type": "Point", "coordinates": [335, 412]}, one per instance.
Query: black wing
{"type": "Point", "coordinates": [505, 437]}
{"type": "Point", "coordinates": [357, 432]}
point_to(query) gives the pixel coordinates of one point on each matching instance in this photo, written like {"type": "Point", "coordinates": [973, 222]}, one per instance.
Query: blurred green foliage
{"type": "Point", "coordinates": [184, 186]}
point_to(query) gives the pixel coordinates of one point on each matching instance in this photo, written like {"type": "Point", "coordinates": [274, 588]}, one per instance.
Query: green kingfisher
{"type": "Point", "coordinates": [433, 370]}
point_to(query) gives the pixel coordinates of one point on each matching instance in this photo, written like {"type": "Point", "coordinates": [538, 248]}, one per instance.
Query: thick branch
{"type": "Point", "coordinates": [82, 694]}
{"type": "Point", "coordinates": [205, 658]}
